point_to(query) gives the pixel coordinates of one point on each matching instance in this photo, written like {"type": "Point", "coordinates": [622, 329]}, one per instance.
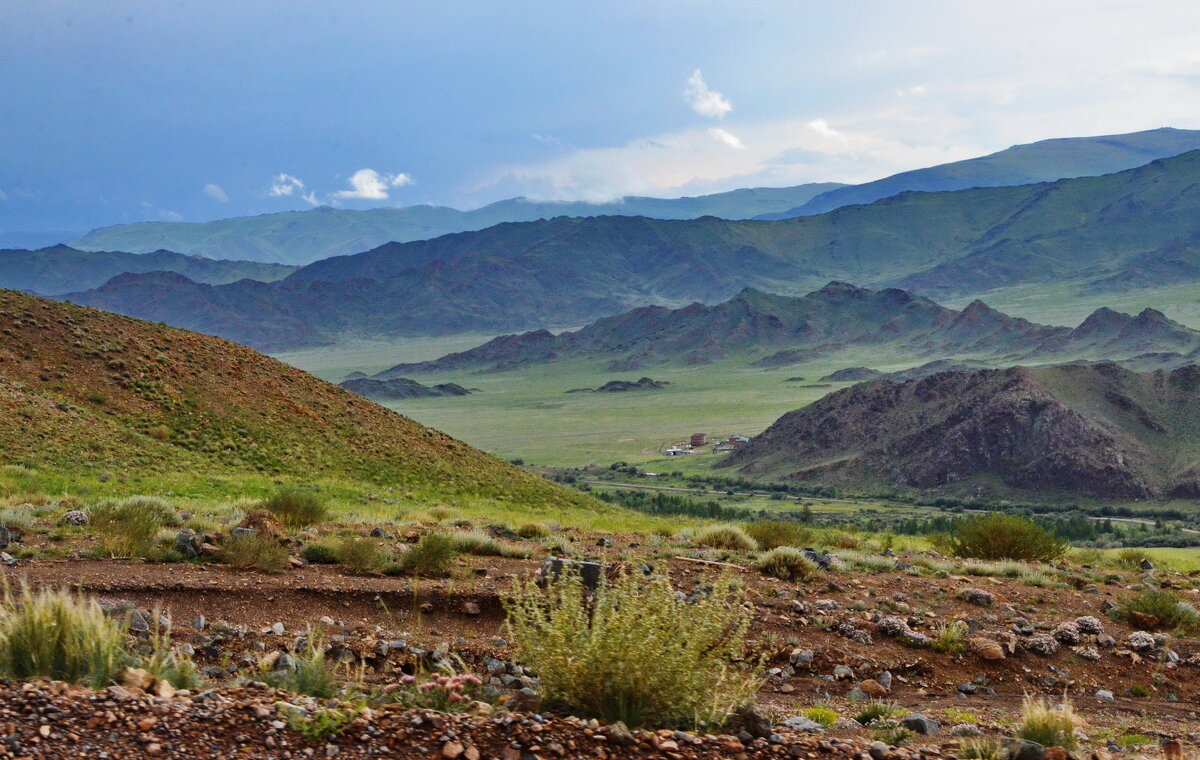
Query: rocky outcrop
{"type": "Point", "coordinates": [400, 388]}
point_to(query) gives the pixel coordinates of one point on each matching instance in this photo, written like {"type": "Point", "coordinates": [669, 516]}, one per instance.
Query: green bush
{"type": "Point", "coordinates": [322, 725]}
{"type": "Point", "coordinates": [1047, 725]}
{"type": "Point", "coordinates": [951, 638]}
{"type": "Point", "coordinates": [772, 533]}
{"type": "Point", "coordinates": [592, 652]}
{"type": "Point", "coordinates": [59, 635]}
{"type": "Point", "coordinates": [533, 530]}
{"type": "Point", "coordinates": [128, 527]}
{"type": "Point", "coordinates": [1002, 536]}
{"type": "Point", "coordinates": [364, 556]}
{"type": "Point", "coordinates": [296, 508]}
{"type": "Point", "coordinates": [255, 551]}
{"type": "Point", "coordinates": [1170, 609]}
{"type": "Point", "coordinates": [788, 563]}
{"type": "Point", "coordinates": [320, 552]}
{"type": "Point", "coordinates": [823, 714]}
{"type": "Point", "coordinates": [312, 675]}
{"type": "Point", "coordinates": [481, 544]}
{"type": "Point", "coordinates": [431, 557]}
{"type": "Point", "coordinates": [877, 711]}
{"type": "Point", "coordinates": [726, 537]}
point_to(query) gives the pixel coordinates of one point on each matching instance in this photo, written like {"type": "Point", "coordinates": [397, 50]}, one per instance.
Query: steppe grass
{"type": "Point", "coordinates": [312, 675]}
{"type": "Point", "coordinates": [479, 543]}
{"type": "Point", "coordinates": [787, 563]}
{"type": "Point", "coordinates": [296, 508]}
{"type": "Point", "coordinates": [772, 533]}
{"type": "Point", "coordinates": [591, 652]}
{"type": "Point", "coordinates": [729, 537]}
{"type": "Point", "coordinates": [1047, 724]}
{"type": "Point", "coordinates": [1171, 609]}
{"type": "Point", "coordinates": [951, 638]}
{"type": "Point", "coordinates": [432, 557]}
{"type": "Point", "coordinates": [60, 635]}
{"type": "Point", "coordinates": [255, 552]}
{"type": "Point", "coordinates": [877, 711]}
{"type": "Point", "coordinates": [364, 556]}
{"type": "Point", "coordinates": [129, 527]}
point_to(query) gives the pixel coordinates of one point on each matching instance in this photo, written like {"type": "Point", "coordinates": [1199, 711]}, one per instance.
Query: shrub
{"type": "Point", "coordinates": [1047, 725]}
{"type": "Point", "coordinates": [951, 638]}
{"type": "Point", "coordinates": [481, 544]}
{"type": "Point", "coordinates": [893, 736]}
{"type": "Point", "coordinates": [431, 557]}
{"type": "Point", "coordinates": [320, 552]}
{"type": "Point", "coordinates": [788, 563]}
{"type": "Point", "coordinates": [772, 533]}
{"type": "Point", "coordinates": [533, 530]}
{"type": "Point", "coordinates": [59, 635]}
{"type": "Point", "coordinates": [255, 551]}
{"type": "Point", "coordinates": [877, 711]}
{"type": "Point", "coordinates": [323, 724]}
{"type": "Point", "coordinates": [312, 675]}
{"type": "Point", "coordinates": [19, 521]}
{"type": "Point", "coordinates": [129, 527]}
{"type": "Point", "coordinates": [823, 714]}
{"type": "Point", "coordinates": [1170, 609]}
{"type": "Point", "coordinates": [726, 537]}
{"type": "Point", "coordinates": [363, 556]}
{"type": "Point", "coordinates": [1131, 559]}
{"type": "Point", "coordinates": [982, 748]}
{"type": "Point", "coordinates": [997, 535]}
{"type": "Point", "coordinates": [591, 652]}
{"type": "Point", "coordinates": [559, 546]}
{"type": "Point", "coordinates": [296, 508]}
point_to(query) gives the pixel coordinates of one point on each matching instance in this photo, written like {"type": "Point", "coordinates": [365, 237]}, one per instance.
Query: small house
{"type": "Point", "coordinates": [699, 439]}
{"type": "Point", "coordinates": [674, 451]}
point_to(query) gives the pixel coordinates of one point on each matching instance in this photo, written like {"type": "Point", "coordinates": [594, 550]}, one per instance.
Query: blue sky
{"type": "Point", "coordinates": [131, 110]}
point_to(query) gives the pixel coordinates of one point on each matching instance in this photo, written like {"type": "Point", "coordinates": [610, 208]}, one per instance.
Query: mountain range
{"type": "Point", "coordinates": [773, 330]}
{"type": "Point", "coordinates": [302, 237]}
{"type": "Point", "coordinates": [569, 271]}
{"type": "Point", "coordinates": [1098, 430]}
{"type": "Point", "coordinates": [1042, 161]}
{"type": "Point", "coordinates": [61, 269]}
{"type": "Point", "coordinates": [101, 393]}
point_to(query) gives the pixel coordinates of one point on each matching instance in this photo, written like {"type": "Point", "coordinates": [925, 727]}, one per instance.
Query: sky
{"type": "Point", "coordinates": [134, 110]}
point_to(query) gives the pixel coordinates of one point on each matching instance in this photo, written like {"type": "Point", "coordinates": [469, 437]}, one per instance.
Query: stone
{"type": "Point", "coordinates": [919, 724]}
{"type": "Point", "coordinates": [1140, 641]}
{"type": "Point", "coordinates": [1172, 749]}
{"type": "Point", "coordinates": [1066, 633]}
{"type": "Point", "coordinates": [453, 750]}
{"type": "Point", "coordinates": [878, 750]}
{"type": "Point", "coordinates": [590, 573]}
{"type": "Point", "coordinates": [163, 689]}
{"type": "Point", "coordinates": [1042, 644]}
{"type": "Point", "coordinates": [278, 629]}
{"type": "Point", "coordinates": [753, 720]}
{"type": "Point", "coordinates": [978, 597]}
{"type": "Point", "coordinates": [1104, 694]}
{"type": "Point", "coordinates": [1146, 564]}
{"type": "Point", "coordinates": [1089, 625]}
{"type": "Point", "coordinates": [8, 559]}
{"type": "Point", "coordinates": [1025, 750]}
{"type": "Point", "coordinates": [138, 621]}
{"type": "Point", "coordinates": [618, 733]}
{"type": "Point", "coordinates": [136, 678]}
{"type": "Point", "coordinates": [470, 609]}
{"type": "Point", "coordinates": [1056, 753]}
{"type": "Point", "coordinates": [198, 623]}
{"type": "Point", "coordinates": [75, 517]}
{"type": "Point", "coordinates": [801, 723]}
{"type": "Point", "coordinates": [872, 688]}
{"type": "Point", "coordinates": [6, 537]}
{"type": "Point", "coordinates": [265, 522]}
{"type": "Point", "coordinates": [843, 672]}
{"type": "Point", "coordinates": [188, 542]}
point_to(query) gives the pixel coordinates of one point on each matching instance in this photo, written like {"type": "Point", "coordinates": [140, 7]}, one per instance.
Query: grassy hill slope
{"type": "Point", "coordinates": [88, 391]}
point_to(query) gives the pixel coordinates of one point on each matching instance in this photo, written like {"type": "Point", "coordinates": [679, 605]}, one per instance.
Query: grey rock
{"type": "Point", "coordinates": [919, 724]}
{"type": "Point", "coordinates": [977, 596]}
{"type": "Point", "coordinates": [1146, 564]}
{"type": "Point", "coordinates": [198, 623]}
{"type": "Point", "coordinates": [843, 672]}
{"type": "Point", "coordinates": [6, 537]}
{"type": "Point", "coordinates": [8, 559]}
{"type": "Point", "coordinates": [1104, 694]}
{"type": "Point", "coordinates": [139, 622]}
{"type": "Point", "coordinates": [1025, 750]}
{"type": "Point", "coordinates": [1140, 641]}
{"type": "Point", "coordinates": [878, 750]}
{"type": "Point", "coordinates": [239, 532]}
{"type": "Point", "coordinates": [1089, 625]}
{"type": "Point", "coordinates": [801, 723]}
{"type": "Point", "coordinates": [589, 572]}
{"type": "Point", "coordinates": [75, 517]}
{"type": "Point", "coordinates": [187, 543]}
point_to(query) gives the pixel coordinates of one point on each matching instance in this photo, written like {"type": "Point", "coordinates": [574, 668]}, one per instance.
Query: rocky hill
{"type": "Point", "coordinates": [60, 269]}
{"type": "Point", "coordinates": [773, 330]}
{"type": "Point", "coordinates": [400, 388]}
{"type": "Point", "coordinates": [1100, 431]}
{"type": "Point", "coordinates": [568, 270]}
{"type": "Point", "coordinates": [107, 394]}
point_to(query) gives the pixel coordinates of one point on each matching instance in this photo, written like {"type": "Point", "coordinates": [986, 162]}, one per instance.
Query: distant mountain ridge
{"type": "Point", "coordinates": [570, 271]}
{"type": "Point", "coordinates": [1099, 431]}
{"type": "Point", "coordinates": [1043, 161]}
{"type": "Point", "coordinates": [61, 269]}
{"type": "Point", "coordinates": [302, 237]}
{"type": "Point", "coordinates": [777, 330]}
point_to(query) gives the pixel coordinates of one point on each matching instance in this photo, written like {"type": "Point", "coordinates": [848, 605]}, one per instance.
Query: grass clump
{"type": "Point", "coordinates": [788, 563]}
{"type": "Point", "coordinates": [59, 635]}
{"type": "Point", "coordinates": [893, 736]}
{"type": "Point", "coordinates": [322, 552]}
{"type": "Point", "coordinates": [1048, 725]}
{"type": "Point", "coordinates": [255, 551]}
{"type": "Point", "coordinates": [823, 714]}
{"type": "Point", "coordinates": [312, 675]}
{"type": "Point", "coordinates": [1170, 609]}
{"type": "Point", "coordinates": [997, 535]}
{"type": "Point", "coordinates": [322, 725]}
{"type": "Point", "coordinates": [533, 530]}
{"type": "Point", "coordinates": [19, 521]}
{"type": "Point", "coordinates": [481, 544]}
{"type": "Point", "coordinates": [129, 527]}
{"type": "Point", "coordinates": [982, 748]}
{"type": "Point", "coordinates": [296, 508]}
{"type": "Point", "coordinates": [951, 638]}
{"type": "Point", "coordinates": [729, 537]}
{"type": "Point", "coordinates": [770, 534]}
{"type": "Point", "coordinates": [877, 711]}
{"type": "Point", "coordinates": [591, 651]}
{"type": "Point", "coordinates": [166, 663]}
{"type": "Point", "coordinates": [363, 556]}
{"type": "Point", "coordinates": [431, 557]}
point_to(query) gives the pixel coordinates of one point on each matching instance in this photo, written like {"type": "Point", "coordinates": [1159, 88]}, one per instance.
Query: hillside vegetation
{"type": "Point", "coordinates": [89, 392]}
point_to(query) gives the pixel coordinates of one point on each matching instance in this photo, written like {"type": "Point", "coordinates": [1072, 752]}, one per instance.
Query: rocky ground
{"type": "Point", "coordinates": [840, 639]}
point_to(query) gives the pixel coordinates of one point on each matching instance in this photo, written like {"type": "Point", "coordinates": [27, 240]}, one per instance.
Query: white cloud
{"type": "Point", "coordinates": [160, 214]}
{"type": "Point", "coordinates": [822, 128]}
{"type": "Point", "coordinates": [913, 91]}
{"type": "Point", "coordinates": [284, 185]}
{"type": "Point", "coordinates": [215, 192]}
{"type": "Point", "coordinates": [705, 101]}
{"type": "Point", "coordinates": [368, 184]}
{"type": "Point", "coordinates": [727, 137]}
{"type": "Point", "coordinates": [311, 199]}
